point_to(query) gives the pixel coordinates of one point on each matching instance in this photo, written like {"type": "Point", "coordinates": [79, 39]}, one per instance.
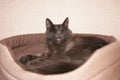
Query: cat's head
{"type": "Point", "coordinates": [58, 33]}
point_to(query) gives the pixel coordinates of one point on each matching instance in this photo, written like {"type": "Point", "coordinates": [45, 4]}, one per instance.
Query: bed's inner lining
{"type": "Point", "coordinates": [35, 44]}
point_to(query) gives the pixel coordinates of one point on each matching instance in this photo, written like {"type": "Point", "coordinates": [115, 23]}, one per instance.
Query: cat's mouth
{"type": "Point", "coordinates": [58, 40]}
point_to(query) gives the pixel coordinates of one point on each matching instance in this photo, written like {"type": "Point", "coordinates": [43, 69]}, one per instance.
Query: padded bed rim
{"type": "Point", "coordinates": [22, 76]}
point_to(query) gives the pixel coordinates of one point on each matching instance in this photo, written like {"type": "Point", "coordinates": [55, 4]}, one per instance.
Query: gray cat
{"type": "Point", "coordinates": [66, 51]}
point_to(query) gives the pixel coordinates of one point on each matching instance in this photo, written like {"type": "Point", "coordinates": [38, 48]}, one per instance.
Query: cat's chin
{"type": "Point", "coordinates": [58, 42]}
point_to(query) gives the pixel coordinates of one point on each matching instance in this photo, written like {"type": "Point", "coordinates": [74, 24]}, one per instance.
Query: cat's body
{"type": "Point", "coordinates": [66, 51]}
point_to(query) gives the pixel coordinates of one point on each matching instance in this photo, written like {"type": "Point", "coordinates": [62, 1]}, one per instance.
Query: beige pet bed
{"type": "Point", "coordinates": [103, 65]}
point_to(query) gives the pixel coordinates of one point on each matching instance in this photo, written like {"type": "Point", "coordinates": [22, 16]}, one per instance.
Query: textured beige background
{"type": "Point", "coordinates": [86, 16]}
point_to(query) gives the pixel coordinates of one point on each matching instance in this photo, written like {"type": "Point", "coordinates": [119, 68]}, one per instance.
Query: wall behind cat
{"type": "Point", "coordinates": [85, 16]}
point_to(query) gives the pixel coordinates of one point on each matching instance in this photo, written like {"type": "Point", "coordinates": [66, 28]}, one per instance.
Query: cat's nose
{"type": "Point", "coordinates": [58, 36]}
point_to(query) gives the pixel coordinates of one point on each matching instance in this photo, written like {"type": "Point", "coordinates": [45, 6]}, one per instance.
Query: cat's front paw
{"type": "Point", "coordinates": [43, 55]}
{"type": "Point", "coordinates": [25, 59]}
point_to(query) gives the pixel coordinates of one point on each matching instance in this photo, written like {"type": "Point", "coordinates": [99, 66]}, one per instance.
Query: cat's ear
{"type": "Point", "coordinates": [65, 23]}
{"type": "Point", "coordinates": [49, 24]}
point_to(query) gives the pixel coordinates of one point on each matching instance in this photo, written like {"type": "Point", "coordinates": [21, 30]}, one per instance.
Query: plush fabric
{"type": "Point", "coordinates": [103, 65]}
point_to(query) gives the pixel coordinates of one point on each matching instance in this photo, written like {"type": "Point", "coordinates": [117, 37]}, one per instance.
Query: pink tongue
{"type": "Point", "coordinates": [58, 39]}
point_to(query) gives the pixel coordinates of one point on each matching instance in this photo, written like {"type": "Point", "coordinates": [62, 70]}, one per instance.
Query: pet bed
{"type": "Point", "coordinates": [103, 65]}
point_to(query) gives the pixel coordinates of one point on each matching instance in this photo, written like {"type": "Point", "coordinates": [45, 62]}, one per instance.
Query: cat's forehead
{"type": "Point", "coordinates": [58, 26]}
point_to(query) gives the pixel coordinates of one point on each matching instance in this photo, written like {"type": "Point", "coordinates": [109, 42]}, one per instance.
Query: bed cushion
{"type": "Point", "coordinates": [101, 65]}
